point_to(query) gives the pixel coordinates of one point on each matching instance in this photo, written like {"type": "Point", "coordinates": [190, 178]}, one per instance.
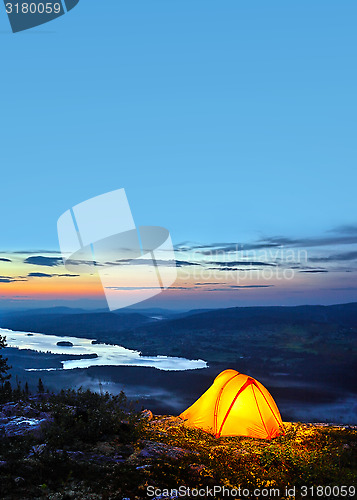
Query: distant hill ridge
{"type": "Point", "coordinates": [63, 322]}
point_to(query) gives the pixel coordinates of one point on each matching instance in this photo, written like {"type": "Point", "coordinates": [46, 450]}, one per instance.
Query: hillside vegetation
{"type": "Point", "coordinates": [92, 446]}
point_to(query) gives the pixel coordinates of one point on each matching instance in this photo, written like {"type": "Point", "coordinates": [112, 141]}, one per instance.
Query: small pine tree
{"type": "Point", "coordinates": [40, 386]}
{"type": "Point", "coordinates": [7, 389]}
{"type": "Point", "coordinates": [4, 367]}
{"type": "Point", "coordinates": [27, 391]}
{"type": "Point", "coordinates": [17, 391]}
{"type": "Point", "coordinates": [6, 392]}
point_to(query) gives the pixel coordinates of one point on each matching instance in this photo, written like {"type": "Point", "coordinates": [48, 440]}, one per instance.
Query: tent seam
{"type": "Point", "coordinates": [255, 397]}
{"type": "Point", "coordinates": [271, 409]}
{"type": "Point", "coordinates": [243, 387]}
{"type": "Point", "coordinates": [218, 401]}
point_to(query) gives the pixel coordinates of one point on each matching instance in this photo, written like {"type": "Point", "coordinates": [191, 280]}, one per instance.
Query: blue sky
{"type": "Point", "coordinates": [224, 122]}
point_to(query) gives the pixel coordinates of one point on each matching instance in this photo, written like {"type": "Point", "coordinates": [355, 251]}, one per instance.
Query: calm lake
{"type": "Point", "coordinates": [107, 355]}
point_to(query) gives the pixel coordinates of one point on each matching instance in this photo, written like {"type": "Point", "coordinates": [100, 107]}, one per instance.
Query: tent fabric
{"type": "Point", "coordinates": [236, 405]}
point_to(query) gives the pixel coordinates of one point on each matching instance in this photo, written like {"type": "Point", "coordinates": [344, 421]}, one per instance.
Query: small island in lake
{"type": "Point", "coordinates": [64, 343]}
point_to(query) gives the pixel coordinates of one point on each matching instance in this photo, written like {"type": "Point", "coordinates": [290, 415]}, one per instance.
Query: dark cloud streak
{"type": "Point", "coordinates": [40, 260]}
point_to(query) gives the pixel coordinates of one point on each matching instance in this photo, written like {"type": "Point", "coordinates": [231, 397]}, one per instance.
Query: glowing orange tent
{"type": "Point", "coordinates": [236, 405]}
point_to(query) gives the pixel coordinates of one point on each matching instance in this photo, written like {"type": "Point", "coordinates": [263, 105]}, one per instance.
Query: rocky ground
{"type": "Point", "coordinates": [82, 445]}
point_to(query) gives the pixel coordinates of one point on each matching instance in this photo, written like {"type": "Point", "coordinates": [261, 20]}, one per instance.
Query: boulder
{"type": "Point", "coordinates": [20, 426]}
{"type": "Point", "coordinates": [29, 411]}
{"type": "Point", "coordinates": [147, 415]}
{"type": "Point", "coordinates": [87, 457]}
{"type": "Point", "coordinates": [153, 449]}
{"type": "Point", "coordinates": [11, 409]}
